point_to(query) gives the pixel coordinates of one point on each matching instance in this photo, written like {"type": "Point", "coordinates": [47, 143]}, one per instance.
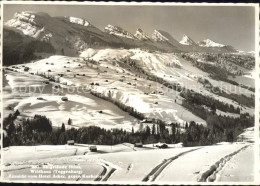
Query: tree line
{"type": "Point", "coordinates": [39, 131]}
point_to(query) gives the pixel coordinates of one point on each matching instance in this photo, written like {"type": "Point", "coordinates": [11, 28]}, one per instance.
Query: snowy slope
{"type": "Point", "coordinates": [197, 170]}
{"type": "Point", "coordinates": [234, 168]}
{"type": "Point", "coordinates": [111, 72]}
{"type": "Point", "coordinates": [210, 43]}
{"type": "Point", "coordinates": [189, 164]}
{"type": "Point", "coordinates": [132, 91]}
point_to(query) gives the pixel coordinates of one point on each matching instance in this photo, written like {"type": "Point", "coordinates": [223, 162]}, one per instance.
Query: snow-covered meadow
{"type": "Point", "coordinates": [124, 162]}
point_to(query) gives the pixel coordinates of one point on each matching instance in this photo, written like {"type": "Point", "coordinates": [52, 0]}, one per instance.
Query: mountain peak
{"type": "Point", "coordinates": [158, 35]}
{"type": "Point", "coordinates": [187, 41]}
{"type": "Point", "coordinates": [118, 31]}
{"type": "Point", "coordinates": [31, 24]}
{"type": "Point", "coordinates": [210, 43]}
{"type": "Point", "coordinates": [26, 16]}
{"type": "Point", "coordinates": [141, 35]}
{"type": "Point", "coordinates": [77, 20]}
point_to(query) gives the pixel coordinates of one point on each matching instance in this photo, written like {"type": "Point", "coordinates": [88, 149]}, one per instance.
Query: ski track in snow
{"type": "Point", "coordinates": [211, 174]}
{"type": "Point", "coordinates": [159, 168]}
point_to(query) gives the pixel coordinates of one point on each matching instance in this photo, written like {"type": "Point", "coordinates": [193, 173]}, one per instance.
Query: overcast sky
{"type": "Point", "coordinates": [231, 25]}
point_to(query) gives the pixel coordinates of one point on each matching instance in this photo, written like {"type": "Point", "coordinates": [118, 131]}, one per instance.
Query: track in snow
{"type": "Point", "coordinates": [211, 174]}
{"type": "Point", "coordinates": [105, 174]}
{"type": "Point", "coordinates": [159, 168]}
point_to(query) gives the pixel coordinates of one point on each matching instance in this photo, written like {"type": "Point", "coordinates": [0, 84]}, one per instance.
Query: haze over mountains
{"type": "Point", "coordinates": [73, 35]}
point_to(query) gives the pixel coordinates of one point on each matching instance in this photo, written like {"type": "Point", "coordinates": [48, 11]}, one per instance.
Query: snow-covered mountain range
{"type": "Point", "coordinates": [71, 35]}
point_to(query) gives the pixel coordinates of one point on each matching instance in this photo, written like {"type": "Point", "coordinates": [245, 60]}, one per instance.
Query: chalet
{"type": "Point", "coordinates": [26, 69]}
{"type": "Point", "coordinates": [93, 148]}
{"type": "Point", "coordinates": [70, 142]}
{"type": "Point", "coordinates": [39, 98]}
{"type": "Point", "coordinates": [147, 120]}
{"type": "Point", "coordinates": [64, 98]}
{"type": "Point", "coordinates": [138, 144]}
{"type": "Point", "coordinates": [162, 146]}
{"type": "Point", "coordinates": [68, 70]}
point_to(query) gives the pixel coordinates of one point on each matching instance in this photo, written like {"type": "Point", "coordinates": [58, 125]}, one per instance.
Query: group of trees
{"type": "Point", "coordinates": [38, 130]}
{"type": "Point", "coordinates": [223, 65]}
{"type": "Point", "coordinates": [207, 67]}
{"type": "Point", "coordinates": [246, 61]}
{"type": "Point", "coordinates": [241, 99]}
{"type": "Point", "coordinates": [199, 99]}
{"type": "Point", "coordinates": [26, 132]}
{"type": "Point", "coordinates": [219, 128]}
